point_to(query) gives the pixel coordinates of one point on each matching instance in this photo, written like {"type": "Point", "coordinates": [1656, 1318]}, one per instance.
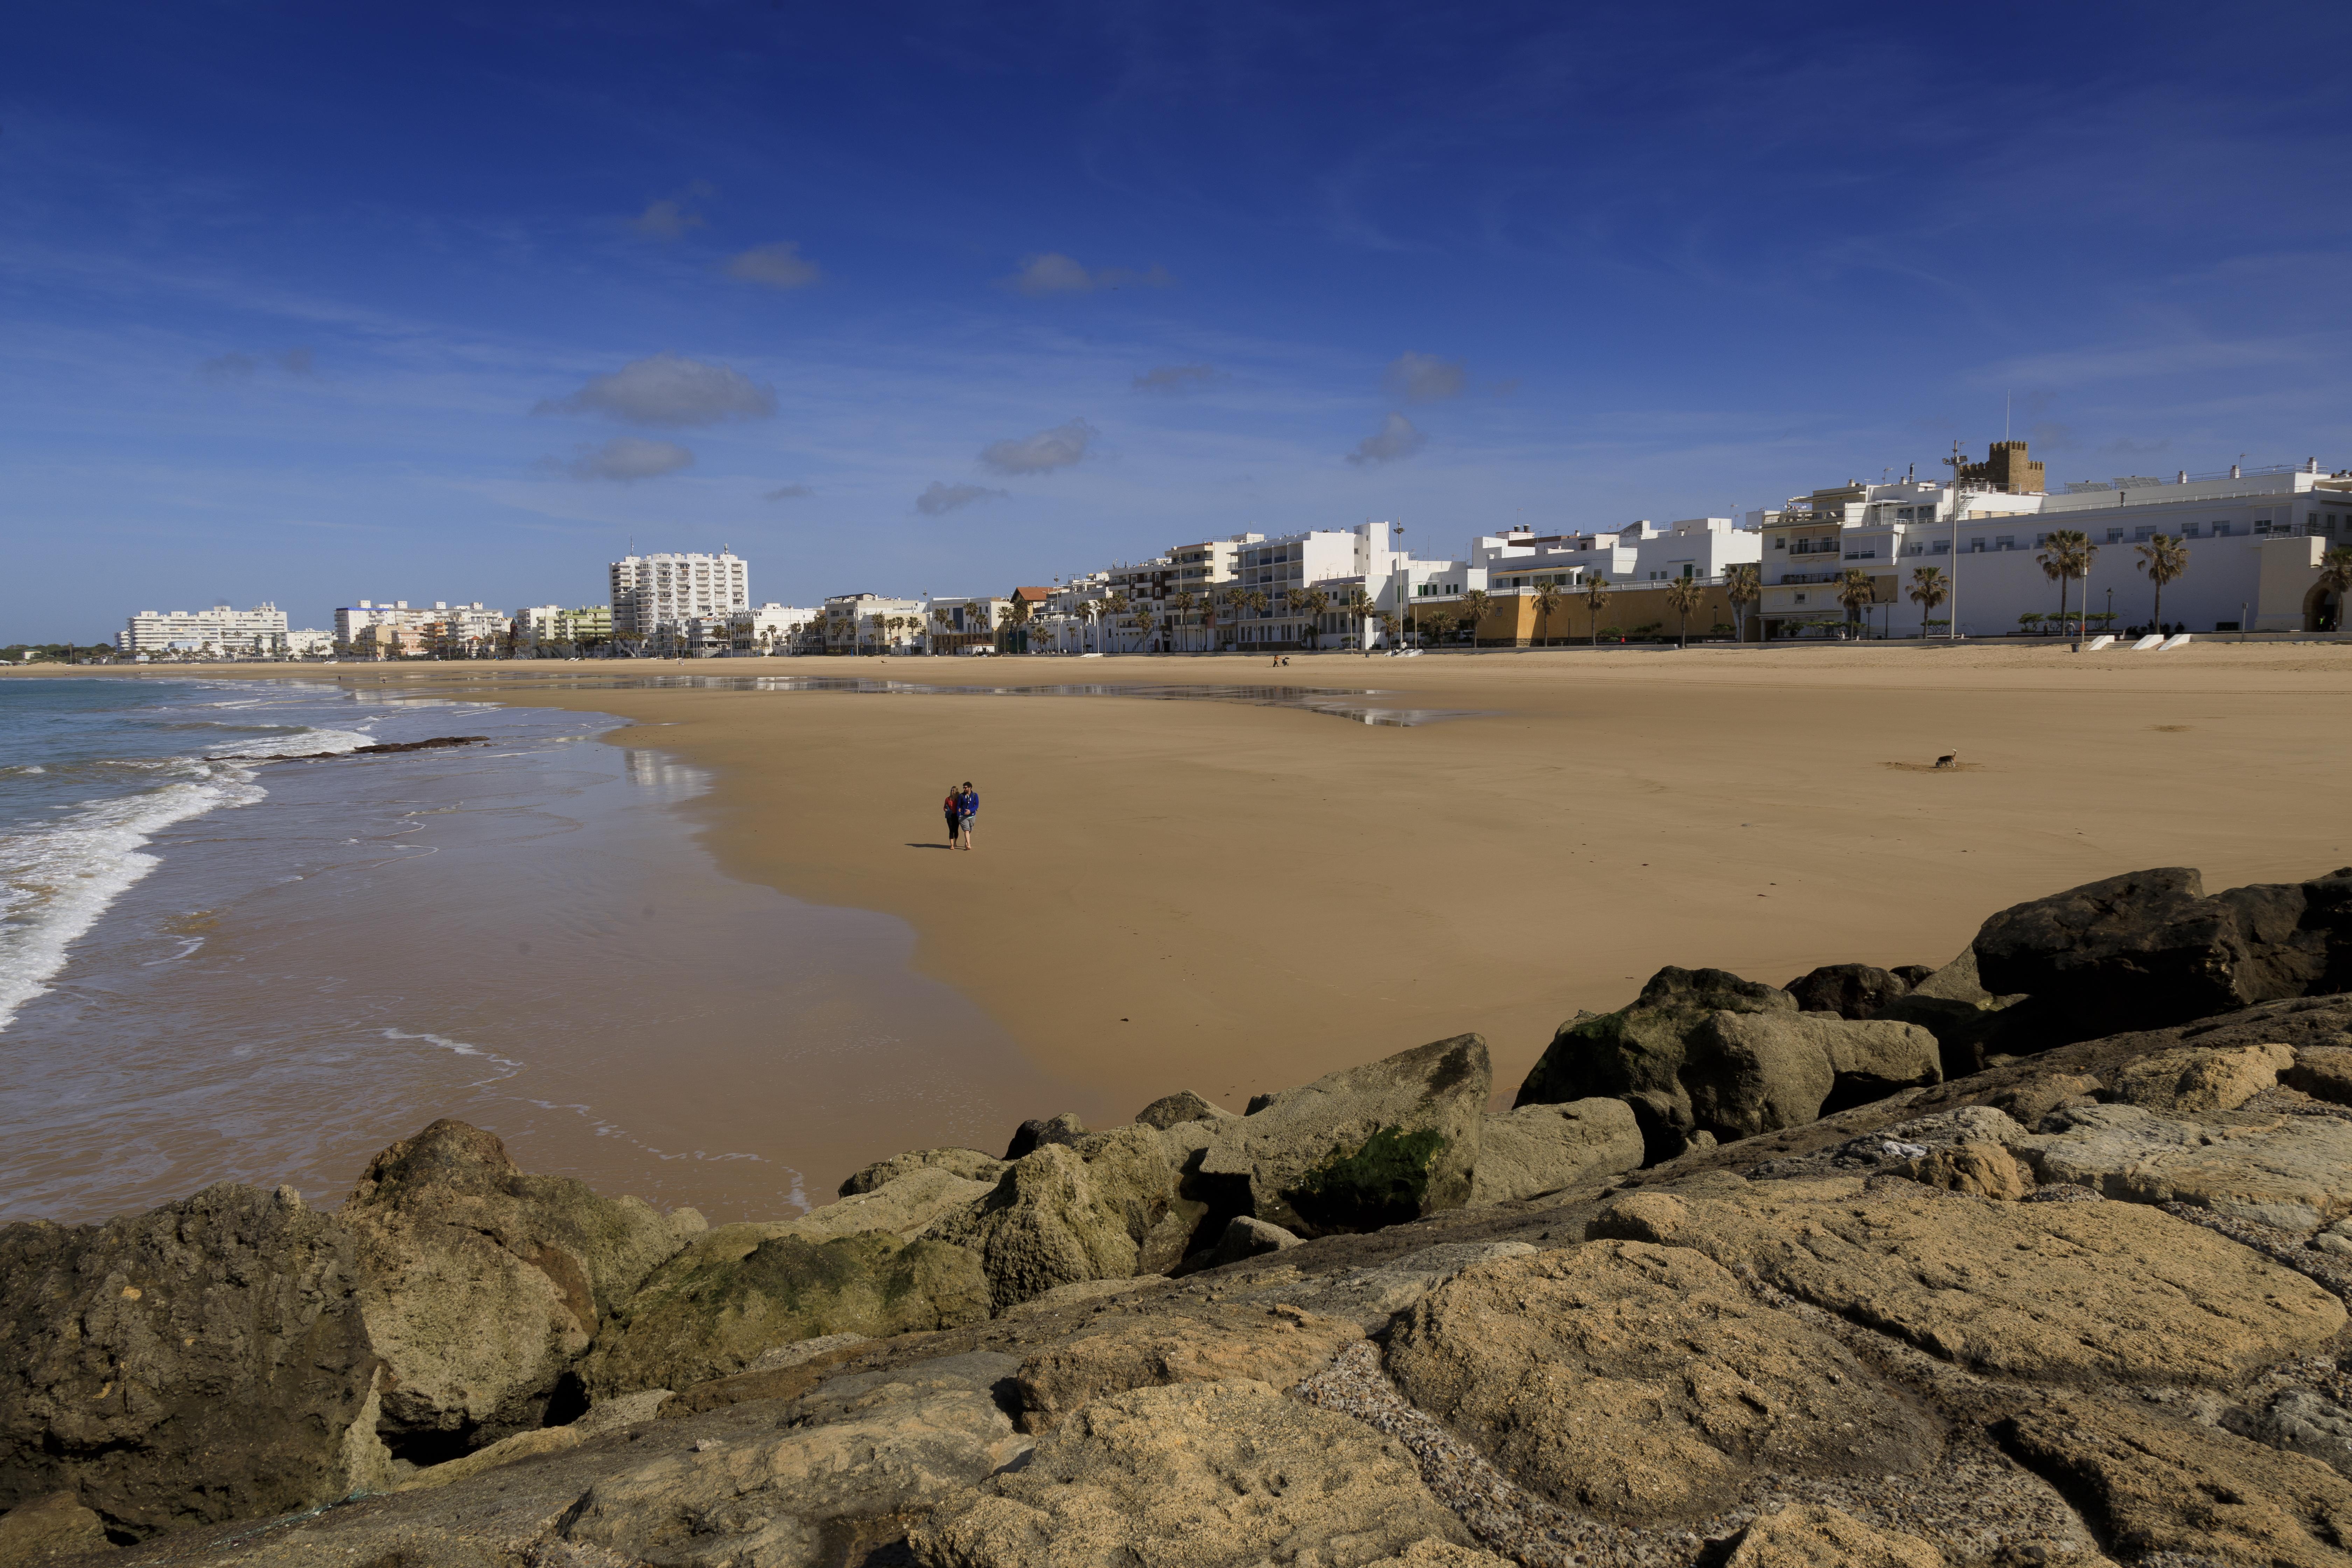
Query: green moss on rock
{"type": "Point", "coordinates": [1383, 1180]}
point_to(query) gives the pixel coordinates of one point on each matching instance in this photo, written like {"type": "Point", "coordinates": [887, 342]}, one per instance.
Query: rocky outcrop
{"type": "Point", "coordinates": [1246, 1238]}
{"type": "Point", "coordinates": [482, 1284]}
{"type": "Point", "coordinates": [871, 1445]}
{"type": "Point", "coordinates": [970, 1165]}
{"type": "Point", "coordinates": [1354, 1151]}
{"type": "Point", "coordinates": [2151, 948]}
{"type": "Point", "coordinates": [1172, 1110]}
{"type": "Point", "coordinates": [1540, 1149]}
{"type": "Point", "coordinates": [1746, 1073]}
{"type": "Point", "coordinates": [1645, 1383]}
{"type": "Point", "coordinates": [2291, 1172]}
{"type": "Point", "coordinates": [711, 1311]}
{"type": "Point", "coordinates": [203, 1361]}
{"type": "Point", "coordinates": [1636, 1054]}
{"type": "Point", "coordinates": [48, 1529]}
{"type": "Point", "coordinates": [2192, 1080]}
{"type": "Point", "coordinates": [1857, 991]}
{"type": "Point", "coordinates": [1278, 1345]}
{"type": "Point", "coordinates": [1814, 1535]}
{"type": "Point", "coordinates": [1195, 1475]}
{"type": "Point", "coordinates": [2047, 1292]}
{"type": "Point", "coordinates": [1035, 1134]}
{"type": "Point", "coordinates": [1063, 1213]}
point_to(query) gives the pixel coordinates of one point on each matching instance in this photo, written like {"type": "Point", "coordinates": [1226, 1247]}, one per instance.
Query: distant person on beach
{"type": "Point", "coordinates": [967, 804]}
{"type": "Point", "coordinates": [953, 808]}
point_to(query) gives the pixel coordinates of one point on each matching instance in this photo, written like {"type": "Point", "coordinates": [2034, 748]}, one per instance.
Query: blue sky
{"type": "Point", "coordinates": [313, 303]}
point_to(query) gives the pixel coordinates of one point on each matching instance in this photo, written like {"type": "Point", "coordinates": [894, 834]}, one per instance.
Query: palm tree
{"type": "Point", "coordinates": [1310, 603]}
{"type": "Point", "coordinates": [1360, 604]}
{"type": "Point", "coordinates": [2335, 576]}
{"type": "Point", "coordinates": [2164, 558]}
{"type": "Point", "coordinates": [1930, 589]}
{"type": "Point", "coordinates": [1182, 603]}
{"type": "Point", "coordinates": [1854, 591]}
{"type": "Point", "coordinates": [1143, 624]}
{"type": "Point", "coordinates": [1547, 600]}
{"type": "Point", "coordinates": [1435, 622]}
{"type": "Point", "coordinates": [2075, 553]}
{"type": "Point", "coordinates": [1743, 584]}
{"type": "Point", "coordinates": [1256, 603]}
{"type": "Point", "coordinates": [1596, 595]}
{"type": "Point", "coordinates": [945, 618]}
{"type": "Point", "coordinates": [1475, 606]}
{"type": "Point", "coordinates": [1684, 596]}
{"type": "Point", "coordinates": [1236, 600]}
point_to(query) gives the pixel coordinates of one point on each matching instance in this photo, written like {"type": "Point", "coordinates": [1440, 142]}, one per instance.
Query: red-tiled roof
{"type": "Point", "coordinates": [1032, 595]}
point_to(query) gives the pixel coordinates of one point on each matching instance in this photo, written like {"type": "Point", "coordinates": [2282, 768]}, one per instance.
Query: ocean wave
{"type": "Point", "coordinates": [302, 742]}
{"type": "Point", "coordinates": [57, 880]}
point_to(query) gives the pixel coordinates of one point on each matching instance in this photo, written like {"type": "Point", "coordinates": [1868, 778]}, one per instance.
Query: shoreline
{"type": "Point", "coordinates": [1150, 898]}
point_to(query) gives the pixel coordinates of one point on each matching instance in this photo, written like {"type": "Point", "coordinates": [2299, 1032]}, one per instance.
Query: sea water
{"type": "Point", "coordinates": [216, 967]}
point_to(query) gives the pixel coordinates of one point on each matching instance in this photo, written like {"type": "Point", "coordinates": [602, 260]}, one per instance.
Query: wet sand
{"type": "Point", "coordinates": [1234, 899]}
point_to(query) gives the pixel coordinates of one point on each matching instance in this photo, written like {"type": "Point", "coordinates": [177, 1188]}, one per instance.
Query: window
{"type": "Point", "coordinates": [2005, 542]}
{"type": "Point", "coordinates": [2115, 536]}
{"type": "Point", "coordinates": [1977, 545]}
{"type": "Point", "coordinates": [2144, 533]}
{"type": "Point", "coordinates": [1800, 599]}
{"type": "Point", "coordinates": [2220, 531]}
{"type": "Point", "coordinates": [2190, 532]}
{"type": "Point", "coordinates": [1778, 542]}
{"type": "Point", "coordinates": [2261, 525]}
{"type": "Point", "coordinates": [2040, 541]}
{"type": "Point", "coordinates": [1941, 547]}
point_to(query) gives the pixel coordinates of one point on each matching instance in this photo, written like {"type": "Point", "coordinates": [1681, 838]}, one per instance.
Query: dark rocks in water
{"type": "Point", "coordinates": [203, 1361]}
{"type": "Point", "coordinates": [384, 749]}
{"type": "Point", "coordinates": [1856, 991]}
{"type": "Point", "coordinates": [1035, 1134]}
{"type": "Point", "coordinates": [2150, 949]}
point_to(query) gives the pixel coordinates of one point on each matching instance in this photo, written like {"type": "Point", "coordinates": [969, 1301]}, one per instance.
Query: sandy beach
{"type": "Point", "coordinates": [1172, 894]}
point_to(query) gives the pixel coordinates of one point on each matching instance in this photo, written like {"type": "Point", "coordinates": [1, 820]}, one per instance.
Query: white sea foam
{"type": "Point", "coordinates": [300, 744]}
{"type": "Point", "coordinates": [57, 880]}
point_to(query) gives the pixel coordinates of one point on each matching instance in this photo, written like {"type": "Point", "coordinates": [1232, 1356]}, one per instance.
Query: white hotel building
{"type": "Point", "coordinates": [658, 595]}
{"type": "Point", "coordinates": [259, 631]}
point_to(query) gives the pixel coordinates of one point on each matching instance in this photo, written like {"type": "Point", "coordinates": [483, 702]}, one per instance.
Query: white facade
{"type": "Point", "coordinates": [1639, 552]}
{"type": "Point", "coordinates": [654, 593]}
{"type": "Point", "coordinates": [2254, 543]}
{"type": "Point", "coordinates": [259, 631]}
{"type": "Point", "coordinates": [309, 644]}
{"type": "Point", "coordinates": [770, 628]}
{"type": "Point", "coordinates": [871, 623]}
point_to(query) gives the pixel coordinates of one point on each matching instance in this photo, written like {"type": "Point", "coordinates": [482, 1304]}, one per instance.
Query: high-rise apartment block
{"type": "Point", "coordinates": [260, 630]}
{"type": "Point", "coordinates": [652, 594]}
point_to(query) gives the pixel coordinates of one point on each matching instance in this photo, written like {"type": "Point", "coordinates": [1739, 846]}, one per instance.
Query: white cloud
{"type": "Point", "coordinates": [671, 389]}
{"type": "Point", "coordinates": [1176, 377]}
{"type": "Point", "coordinates": [940, 497]}
{"type": "Point", "coordinates": [671, 216]}
{"type": "Point", "coordinates": [1053, 273]}
{"type": "Point", "coordinates": [626, 459]}
{"type": "Point", "coordinates": [1396, 438]}
{"type": "Point", "coordinates": [1424, 378]}
{"type": "Point", "coordinates": [1041, 453]}
{"type": "Point", "coordinates": [779, 265]}
{"type": "Point", "coordinates": [788, 493]}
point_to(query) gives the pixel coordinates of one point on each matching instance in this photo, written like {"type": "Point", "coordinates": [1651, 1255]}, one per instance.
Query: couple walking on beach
{"type": "Point", "coordinates": [961, 806]}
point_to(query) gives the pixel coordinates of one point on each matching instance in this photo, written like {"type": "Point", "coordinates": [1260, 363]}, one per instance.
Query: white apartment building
{"type": "Point", "coordinates": [871, 623]}
{"type": "Point", "coordinates": [536, 624]}
{"type": "Point", "coordinates": [397, 628]}
{"type": "Point", "coordinates": [957, 623]}
{"type": "Point", "coordinates": [1639, 552]}
{"type": "Point", "coordinates": [659, 594]}
{"type": "Point", "coordinates": [2255, 539]}
{"type": "Point", "coordinates": [257, 632]}
{"type": "Point", "coordinates": [309, 643]}
{"type": "Point", "coordinates": [765, 630]}
{"type": "Point", "coordinates": [1274, 575]}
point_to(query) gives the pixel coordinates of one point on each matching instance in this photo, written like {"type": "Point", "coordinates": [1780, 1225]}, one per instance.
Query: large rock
{"type": "Point", "coordinates": [1646, 1383]}
{"type": "Point", "coordinates": [2292, 1172]}
{"type": "Point", "coordinates": [1637, 1053]}
{"type": "Point", "coordinates": [874, 1446]}
{"type": "Point", "coordinates": [1850, 990]}
{"type": "Point", "coordinates": [201, 1362]}
{"type": "Point", "coordinates": [1100, 1209]}
{"type": "Point", "coordinates": [1173, 1110]}
{"type": "Point", "coordinates": [1354, 1151]}
{"type": "Point", "coordinates": [1036, 1133]}
{"type": "Point", "coordinates": [1968, 1021]}
{"type": "Point", "coordinates": [1197, 1475]}
{"type": "Point", "coordinates": [710, 1312]}
{"type": "Point", "coordinates": [2151, 1485]}
{"type": "Point", "coordinates": [1746, 1073]}
{"type": "Point", "coordinates": [1540, 1149]}
{"type": "Point", "coordinates": [1814, 1535]}
{"type": "Point", "coordinates": [970, 1165]}
{"type": "Point", "coordinates": [483, 1285]}
{"type": "Point", "coordinates": [2190, 1081]}
{"type": "Point", "coordinates": [2048, 1292]}
{"type": "Point", "coordinates": [2150, 949]}
{"type": "Point", "coordinates": [1278, 1345]}
{"type": "Point", "coordinates": [47, 1529]}
{"type": "Point", "coordinates": [1371, 1297]}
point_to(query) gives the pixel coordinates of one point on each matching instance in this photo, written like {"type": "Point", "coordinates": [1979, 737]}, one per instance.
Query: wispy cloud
{"type": "Point", "coordinates": [669, 389]}
{"type": "Point", "coordinates": [626, 459]}
{"type": "Point", "coordinates": [1396, 438]}
{"type": "Point", "coordinates": [1173, 378]}
{"type": "Point", "coordinates": [1424, 378]}
{"type": "Point", "coordinates": [944, 498]}
{"type": "Point", "coordinates": [779, 265]}
{"type": "Point", "coordinates": [788, 493]}
{"type": "Point", "coordinates": [1042, 452]}
{"type": "Point", "coordinates": [1053, 273]}
{"type": "Point", "coordinates": [671, 216]}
